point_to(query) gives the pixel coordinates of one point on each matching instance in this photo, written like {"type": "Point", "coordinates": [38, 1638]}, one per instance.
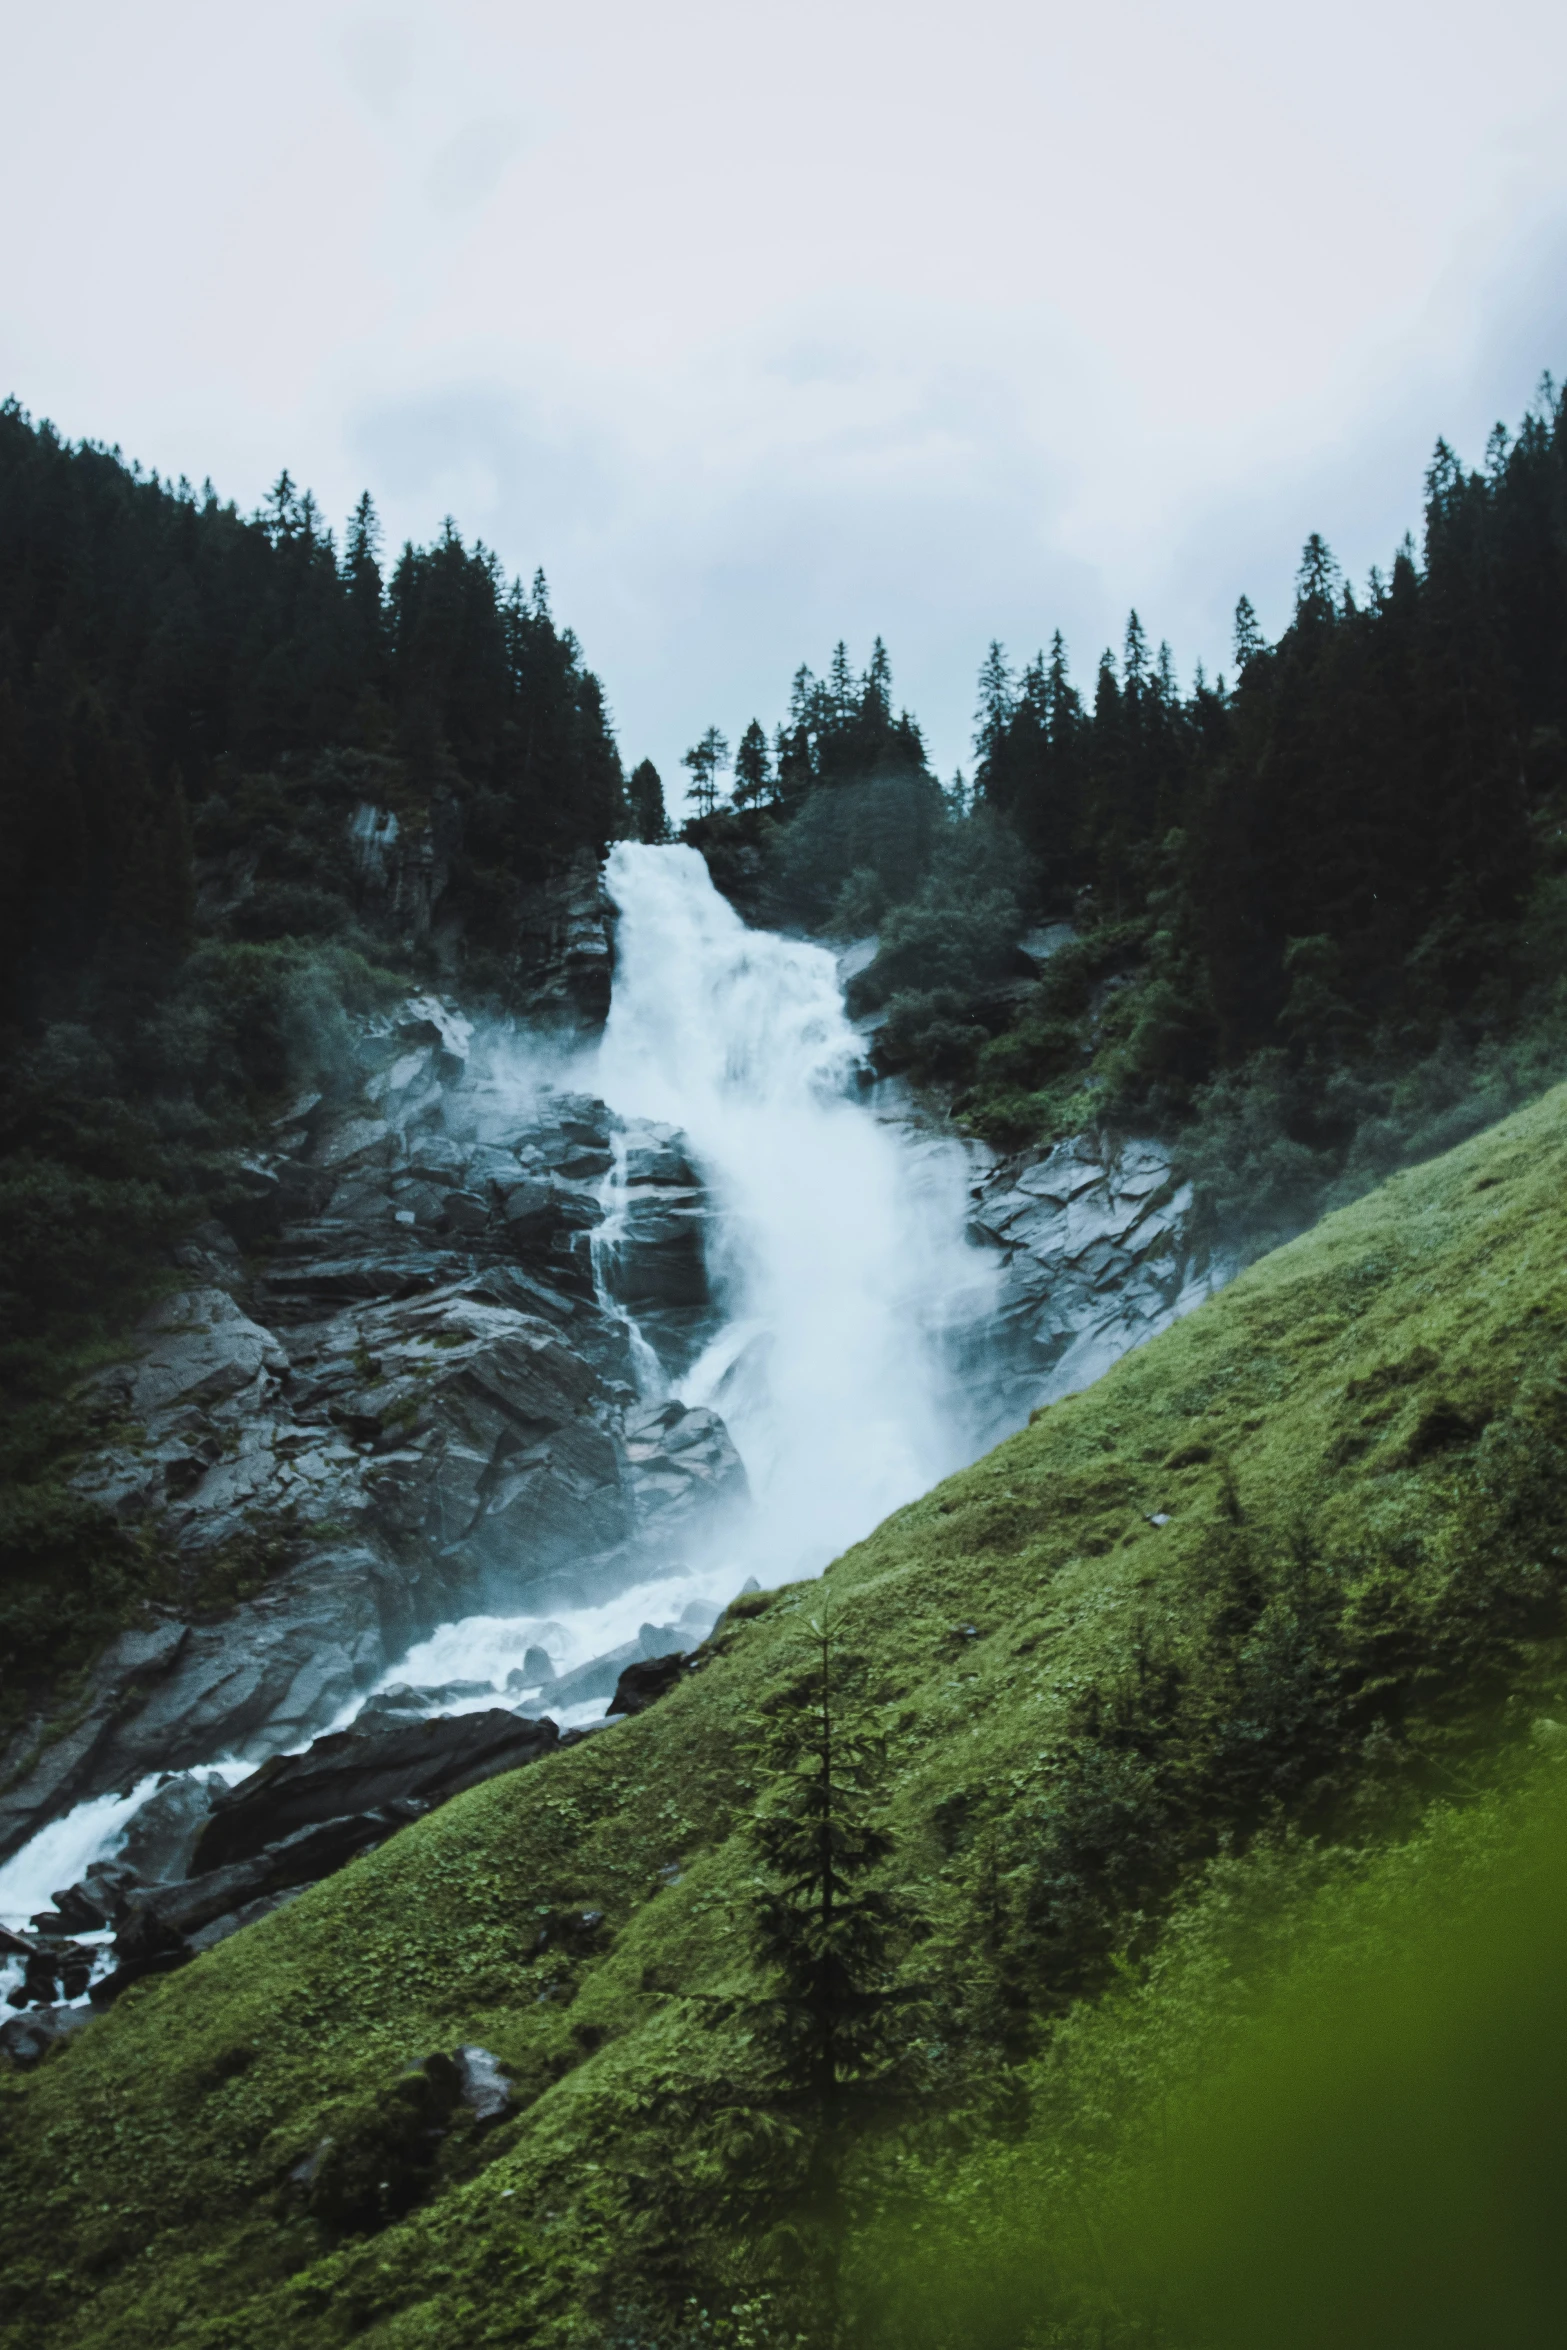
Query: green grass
{"type": "Point", "coordinates": [1097, 1726]}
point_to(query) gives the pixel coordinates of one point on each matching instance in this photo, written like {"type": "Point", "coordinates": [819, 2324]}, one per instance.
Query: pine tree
{"type": "Point", "coordinates": [704, 759]}
{"type": "Point", "coordinates": [823, 1928]}
{"type": "Point", "coordinates": [362, 553]}
{"type": "Point", "coordinates": [1315, 582]}
{"type": "Point", "coordinates": [645, 794]}
{"type": "Point", "coordinates": [753, 769]}
{"type": "Point", "coordinates": [1249, 640]}
{"type": "Point", "coordinates": [995, 710]}
{"type": "Point", "coordinates": [876, 694]}
{"type": "Point", "coordinates": [840, 683]}
{"type": "Point", "coordinates": [1134, 656]}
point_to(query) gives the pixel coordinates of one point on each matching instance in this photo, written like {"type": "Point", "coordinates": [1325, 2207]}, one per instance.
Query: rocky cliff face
{"type": "Point", "coordinates": [402, 1388]}
{"type": "Point", "coordinates": [558, 971]}
{"type": "Point", "coordinates": [1097, 1254]}
{"type": "Point", "coordinates": [410, 1396]}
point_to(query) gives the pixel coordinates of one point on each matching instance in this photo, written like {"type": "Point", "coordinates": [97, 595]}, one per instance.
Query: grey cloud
{"type": "Point", "coordinates": [469, 167]}
{"type": "Point", "coordinates": [376, 58]}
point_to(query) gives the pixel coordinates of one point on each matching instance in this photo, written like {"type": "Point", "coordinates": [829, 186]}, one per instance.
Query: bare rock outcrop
{"type": "Point", "coordinates": [413, 1400]}
{"type": "Point", "coordinates": [1096, 1256]}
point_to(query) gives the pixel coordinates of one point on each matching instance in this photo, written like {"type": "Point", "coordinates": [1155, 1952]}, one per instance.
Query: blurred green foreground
{"type": "Point", "coordinates": [1379, 2158]}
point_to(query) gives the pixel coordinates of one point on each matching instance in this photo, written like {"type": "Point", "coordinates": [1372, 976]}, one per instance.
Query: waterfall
{"type": "Point", "coordinates": [838, 1254]}
{"type": "Point", "coordinates": [846, 1297]}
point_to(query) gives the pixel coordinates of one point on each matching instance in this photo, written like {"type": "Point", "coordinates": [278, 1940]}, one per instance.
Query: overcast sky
{"type": "Point", "coordinates": [761, 325]}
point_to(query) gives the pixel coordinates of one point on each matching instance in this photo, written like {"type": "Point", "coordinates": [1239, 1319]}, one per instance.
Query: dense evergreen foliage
{"type": "Point", "coordinates": [177, 679]}
{"type": "Point", "coordinates": [1319, 910]}
{"type": "Point", "coordinates": [1319, 907]}
{"type": "Point", "coordinates": [241, 773]}
{"type": "Point", "coordinates": [839, 820]}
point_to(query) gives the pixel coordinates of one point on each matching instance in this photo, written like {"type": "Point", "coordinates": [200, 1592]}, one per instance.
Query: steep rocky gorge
{"type": "Point", "coordinates": [431, 1371]}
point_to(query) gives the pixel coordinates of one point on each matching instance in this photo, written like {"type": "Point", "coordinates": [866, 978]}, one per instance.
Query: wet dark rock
{"type": "Point", "coordinates": [27, 2039]}
{"type": "Point", "coordinates": [363, 1769]}
{"type": "Point", "coordinates": [94, 1903]}
{"type": "Point", "coordinates": [563, 962]}
{"type": "Point", "coordinates": [164, 1926]}
{"type": "Point", "coordinates": [659, 1257]}
{"type": "Point", "coordinates": [438, 1160]}
{"type": "Point", "coordinates": [412, 1407]}
{"type": "Point", "coordinates": [658, 1154]}
{"type": "Point", "coordinates": [413, 1703]}
{"type": "Point", "coordinates": [158, 1840]}
{"type": "Point", "coordinates": [596, 1678]}
{"type": "Point", "coordinates": [466, 1213]}
{"type": "Point", "coordinates": [76, 1911]}
{"type": "Point", "coordinates": [209, 1936]}
{"type": "Point", "coordinates": [601, 1676]}
{"type": "Point", "coordinates": [647, 1680]}
{"type": "Point", "coordinates": [53, 1969]}
{"type": "Point", "coordinates": [528, 1209]}
{"type": "Point", "coordinates": [400, 1703]}
{"type": "Point", "coordinates": [268, 1674]}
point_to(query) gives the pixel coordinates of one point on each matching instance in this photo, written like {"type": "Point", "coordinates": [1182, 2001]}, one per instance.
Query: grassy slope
{"type": "Point", "coordinates": [142, 2164]}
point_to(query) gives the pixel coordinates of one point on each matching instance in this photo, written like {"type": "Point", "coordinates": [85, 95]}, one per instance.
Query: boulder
{"type": "Point", "coordinates": [85, 1908]}
{"type": "Point", "coordinates": [437, 1159]}
{"type": "Point", "coordinates": [466, 1213]}
{"type": "Point", "coordinates": [162, 1926]}
{"type": "Point", "coordinates": [219, 1929]}
{"type": "Point", "coordinates": [644, 1682]}
{"type": "Point", "coordinates": [352, 1141]}
{"type": "Point", "coordinates": [27, 2039]}
{"type": "Point", "coordinates": [158, 1840]}
{"type": "Point", "coordinates": [596, 1678]}
{"type": "Point", "coordinates": [53, 1969]}
{"type": "Point", "coordinates": [658, 1154]}
{"type": "Point", "coordinates": [362, 1770]}
{"type": "Point", "coordinates": [682, 1462]}
{"type": "Point", "coordinates": [270, 1673]}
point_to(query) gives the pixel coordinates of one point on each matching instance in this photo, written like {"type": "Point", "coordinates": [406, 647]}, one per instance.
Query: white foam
{"type": "Point", "coordinates": [840, 1255]}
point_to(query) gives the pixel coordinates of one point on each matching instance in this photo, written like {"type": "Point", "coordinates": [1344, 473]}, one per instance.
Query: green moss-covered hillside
{"type": "Point", "coordinates": [1242, 1614]}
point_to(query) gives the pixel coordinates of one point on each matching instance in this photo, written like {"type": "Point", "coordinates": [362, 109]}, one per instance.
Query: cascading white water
{"type": "Point", "coordinates": [614, 1199]}
{"type": "Point", "coordinates": [838, 1259]}
{"type": "Point", "coordinates": [839, 1255]}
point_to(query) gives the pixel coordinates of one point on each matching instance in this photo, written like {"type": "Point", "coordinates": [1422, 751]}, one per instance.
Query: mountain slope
{"type": "Point", "coordinates": [1296, 1560]}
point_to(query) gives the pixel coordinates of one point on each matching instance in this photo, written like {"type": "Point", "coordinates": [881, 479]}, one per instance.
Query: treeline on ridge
{"type": "Point", "coordinates": [1317, 913]}
{"type": "Point", "coordinates": [195, 708]}
{"type": "Point", "coordinates": [176, 679]}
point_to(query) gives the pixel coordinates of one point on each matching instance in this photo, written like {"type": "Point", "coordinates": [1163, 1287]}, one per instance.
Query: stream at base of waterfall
{"type": "Point", "coordinates": [794, 1267]}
